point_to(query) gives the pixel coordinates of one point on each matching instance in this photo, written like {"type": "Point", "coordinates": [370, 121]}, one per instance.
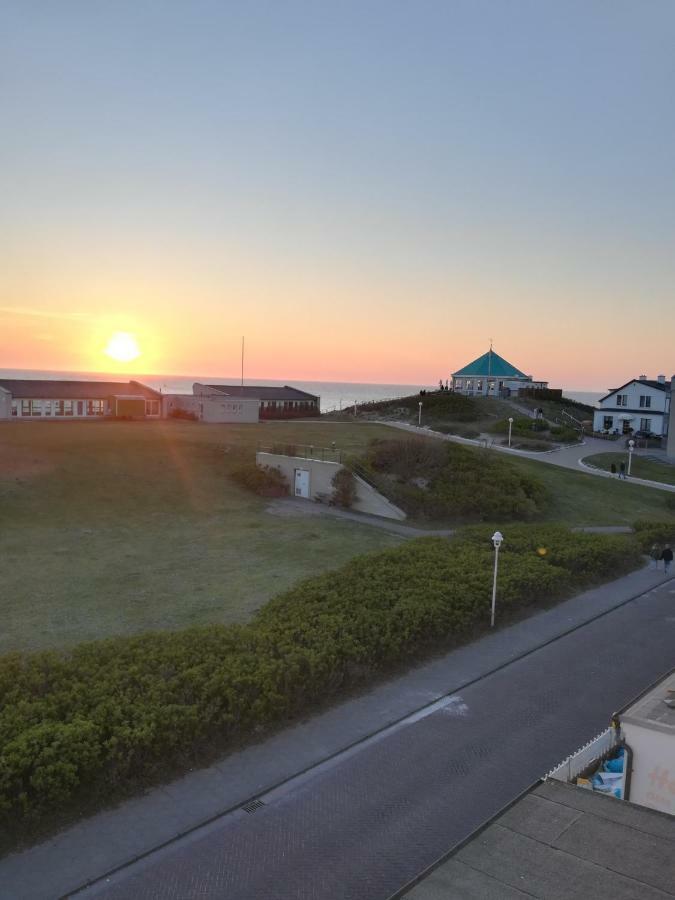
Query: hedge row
{"type": "Point", "coordinates": [128, 711]}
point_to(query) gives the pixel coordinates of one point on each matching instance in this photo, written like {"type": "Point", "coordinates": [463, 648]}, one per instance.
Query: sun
{"type": "Point", "coordinates": [122, 347]}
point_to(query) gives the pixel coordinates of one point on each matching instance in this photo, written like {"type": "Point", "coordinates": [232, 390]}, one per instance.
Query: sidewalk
{"type": "Point", "coordinates": [94, 847]}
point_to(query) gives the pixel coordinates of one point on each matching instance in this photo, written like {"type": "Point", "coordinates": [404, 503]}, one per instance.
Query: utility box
{"type": "Point", "coordinates": [648, 728]}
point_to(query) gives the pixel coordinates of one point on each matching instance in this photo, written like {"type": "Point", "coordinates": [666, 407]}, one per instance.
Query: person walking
{"type": "Point", "coordinates": [622, 471]}
{"type": "Point", "coordinates": [667, 557]}
{"type": "Point", "coordinates": [612, 470]}
{"type": "Point", "coordinates": [655, 554]}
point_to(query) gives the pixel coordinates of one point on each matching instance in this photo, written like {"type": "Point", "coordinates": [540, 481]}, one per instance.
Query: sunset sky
{"type": "Point", "coordinates": [369, 191]}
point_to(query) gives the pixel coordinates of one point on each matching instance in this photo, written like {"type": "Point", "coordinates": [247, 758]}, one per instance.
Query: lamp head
{"type": "Point", "coordinates": [511, 420]}
{"type": "Point", "coordinates": [631, 444]}
{"type": "Point", "coordinates": [497, 539]}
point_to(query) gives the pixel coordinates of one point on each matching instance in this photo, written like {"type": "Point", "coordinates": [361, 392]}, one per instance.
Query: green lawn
{"type": "Point", "coordinates": [640, 468]}
{"type": "Point", "coordinates": [585, 499]}
{"type": "Point", "coordinates": [112, 528]}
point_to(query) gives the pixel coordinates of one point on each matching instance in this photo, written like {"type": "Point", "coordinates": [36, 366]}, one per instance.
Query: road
{"type": "Point", "coordinates": [363, 826]}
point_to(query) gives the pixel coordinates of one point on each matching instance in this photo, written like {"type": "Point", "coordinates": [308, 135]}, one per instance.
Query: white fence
{"type": "Point", "coordinates": [576, 763]}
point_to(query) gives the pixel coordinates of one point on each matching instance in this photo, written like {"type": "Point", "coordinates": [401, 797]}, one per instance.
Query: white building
{"type": "Point", "coordinates": [37, 398]}
{"type": "Point", "coordinates": [206, 405]}
{"type": "Point", "coordinates": [640, 406]}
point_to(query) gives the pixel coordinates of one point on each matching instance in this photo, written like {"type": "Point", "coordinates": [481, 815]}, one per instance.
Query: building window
{"type": "Point", "coordinates": [479, 385]}
{"type": "Point", "coordinates": [459, 384]}
{"type": "Point", "coordinates": [15, 407]}
{"type": "Point", "coordinates": [622, 399]}
{"type": "Point", "coordinates": [46, 407]}
{"type": "Point", "coordinates": [646, 425]}
{"type": "Point", "coordinates": [469, 384]}
{"type": "Point", "coordinates": [94, 407]}
{"type": "Point", "coordinates": [607, 423]}
{"type": "Point", "coordinates": [645, 401]}
{"type": "Point", "coordinates": [63, 407]}
{"type": "Point", "coordinates": [152, 407]}
{"type": "Point", "coordinates": [31, 407]}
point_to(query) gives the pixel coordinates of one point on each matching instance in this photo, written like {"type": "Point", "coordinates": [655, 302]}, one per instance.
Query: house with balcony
{"type": "Point", "coordinates": [492, 376]}
{"type": "Point", "coordinates": [640, 406]}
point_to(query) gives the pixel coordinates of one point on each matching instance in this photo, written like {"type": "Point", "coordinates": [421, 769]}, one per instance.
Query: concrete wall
{"type": "Point", "coordinates": [321, 475]}
{"type": "Point", "coordinates": [5, 404]}
{"type": "Point", "coordinates": [213, 407]}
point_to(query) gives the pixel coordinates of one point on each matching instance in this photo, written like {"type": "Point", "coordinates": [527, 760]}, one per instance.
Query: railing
{"type": "Point", "coordinates": [568, 417]}
{"type": "Point", "coordinates": [304, 451]}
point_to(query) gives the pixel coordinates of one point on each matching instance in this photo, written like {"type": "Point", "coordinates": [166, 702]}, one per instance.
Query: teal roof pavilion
{"type": "Point", "coordinates": [489, 365]}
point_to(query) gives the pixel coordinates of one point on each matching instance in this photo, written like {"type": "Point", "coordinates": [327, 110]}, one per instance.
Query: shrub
{"type": "Point", "coordinates": [264, 480]}
{"type": "Point", "coordinates": [649, 533]}
{"type": "Point", "coordinates": [344, 488]}
{"type": "Point", "coordinates": [113, 714]}
{"type": "Point", "coordinates": [178, 413]}
{"type": "Point", "coordinates": [463, 483]}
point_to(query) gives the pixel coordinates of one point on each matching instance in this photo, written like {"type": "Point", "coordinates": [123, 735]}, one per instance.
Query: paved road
{"type": "Point", "coordinates": [362, 827]}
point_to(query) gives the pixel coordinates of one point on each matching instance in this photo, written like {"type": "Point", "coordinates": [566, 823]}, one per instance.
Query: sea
{"type": "Point", "coordinates": [334, 395]}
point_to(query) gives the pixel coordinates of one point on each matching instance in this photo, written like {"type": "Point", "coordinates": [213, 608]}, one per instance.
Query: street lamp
{"type": "Point", "coordinates": [631, 446]}
{"type": "Point", "coordinates": [497, 539]}
{"type": "Point", "coordinates": [419, 415]}
{"type": "Point", "coordinates": [510, 427]}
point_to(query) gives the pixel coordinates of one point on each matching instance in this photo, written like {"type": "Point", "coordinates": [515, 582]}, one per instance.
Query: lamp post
{"type": "Point", "coordinates": [631, 446]}
{"type": "Point", "coordinates": [510, 427]}
{"type": "Point", "coordinates": [419, 415]}
{"type": "Point", "coordinates": [497, 539]}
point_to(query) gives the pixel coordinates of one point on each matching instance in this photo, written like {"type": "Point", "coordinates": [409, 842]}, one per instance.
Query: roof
{"type": "Point", "coordinates": [263, 392]}
{"type": "Point", "coordinates": [49, 389]}
{"type": "Point", "coordinates": [489, 364]}
{"type": "Point", "coordinates": [648, 382]}
{"type": "Point", "coordinates": [649, 709]}
{"type": "Point", "coordinates": [561, 842]}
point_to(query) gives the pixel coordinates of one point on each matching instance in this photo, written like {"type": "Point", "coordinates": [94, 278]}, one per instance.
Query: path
{"type": "Point", "coordinates": [389, 775]}
{"type": "Point", "coordinates": [566, 457]}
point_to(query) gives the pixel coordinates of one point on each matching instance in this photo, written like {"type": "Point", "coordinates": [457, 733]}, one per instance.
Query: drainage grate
{"type": "Point", "coordinates": [253, 806]}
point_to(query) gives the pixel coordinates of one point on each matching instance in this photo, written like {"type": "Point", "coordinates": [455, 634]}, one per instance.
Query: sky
{"type": "Point", "coordinates": [369, 191]}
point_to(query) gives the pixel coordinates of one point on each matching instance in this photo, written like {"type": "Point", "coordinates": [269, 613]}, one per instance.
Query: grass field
{"type": "Point", "coordinates": [640, 468]}
{"type": "Point", "coordinates": [115, 528]}
{"type": "Point", "coordinates": [112, 528]}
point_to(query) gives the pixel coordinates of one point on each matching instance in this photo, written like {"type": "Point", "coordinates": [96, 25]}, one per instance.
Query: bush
{"type": "Point", "coordinates": [113, 714]}
{"type": "Point", "coordinates": [650, 533]}
{"type": "Point", "coordinates": [344, 488]}
{"type": "Point", "coordinates": [178, 413]}
{"type": "Point", "coordinates": [264, 480]}
{"type": "Point", "coordinates": [462, 483]}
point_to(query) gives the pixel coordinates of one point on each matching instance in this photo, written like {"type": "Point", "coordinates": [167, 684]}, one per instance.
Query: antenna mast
{"type": "Point", "coordinates": [242, 364]}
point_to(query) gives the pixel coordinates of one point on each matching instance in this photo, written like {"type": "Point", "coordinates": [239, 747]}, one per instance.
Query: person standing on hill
{"type": "Point", "coordinates": [667, 557]}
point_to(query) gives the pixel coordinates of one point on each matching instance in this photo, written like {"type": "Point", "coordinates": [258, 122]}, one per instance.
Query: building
{"type": "Point", "coordinates": [52, 399]}
{"type": "Point", "coordinates": [492, 376]}
{"type": "Point", "coordinates": [211, 406]}
{"type": "Point", "coordinates": [273, 402]}
{"type": "Point", "coordinates": [641, 405]}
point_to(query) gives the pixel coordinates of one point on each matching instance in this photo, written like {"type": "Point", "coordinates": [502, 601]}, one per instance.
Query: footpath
{"type": "Point", "coordinates": [114, 838]}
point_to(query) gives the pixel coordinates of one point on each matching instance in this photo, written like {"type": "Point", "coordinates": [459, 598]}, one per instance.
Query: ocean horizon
{"type": "Point", "coordinates": [334, 394]}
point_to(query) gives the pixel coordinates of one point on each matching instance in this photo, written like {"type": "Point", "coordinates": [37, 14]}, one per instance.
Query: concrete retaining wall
{"type": "Point", "coordinates": [321, 474]}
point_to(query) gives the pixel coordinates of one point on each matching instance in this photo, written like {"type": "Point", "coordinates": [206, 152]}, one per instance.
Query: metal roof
{"type": "Point", "coordinates": [561, 842]}
{"type": "Point", "coordinates": [488, 365]}
{"type": "Point", "coordinates": [48, 389]}
{"type": "Point", "coordinates": [263, 392]}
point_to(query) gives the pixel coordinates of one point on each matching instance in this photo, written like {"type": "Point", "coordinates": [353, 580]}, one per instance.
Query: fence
{"type": "Point", "coordinates": [575, 764]}
{"type": "Point", "coordinates": [304, 451]}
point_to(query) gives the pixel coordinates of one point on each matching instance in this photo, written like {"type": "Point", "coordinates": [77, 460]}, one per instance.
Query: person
{"type": "Point", "coordinates": [612, 470]}
{"type": "Point", "coordinates": [667, 557]}
{"type": "Point", "coordinates": [622, 471]}
{"type": "Point", "coordinates": [655, 554]}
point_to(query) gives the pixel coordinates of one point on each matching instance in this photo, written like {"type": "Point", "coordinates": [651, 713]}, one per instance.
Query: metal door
{"type": "Point", "coordinates": [302, 483]}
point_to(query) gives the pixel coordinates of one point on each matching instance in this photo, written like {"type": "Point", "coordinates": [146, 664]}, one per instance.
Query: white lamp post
{"type": "Point", "coordinates": [419, 415]}
{"type": "Point", "coordinates": [631, 446]}
{"type": "Point", "coordinates": [510, 426]}
{"type": "Point", "coordinates": [497, 539]}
